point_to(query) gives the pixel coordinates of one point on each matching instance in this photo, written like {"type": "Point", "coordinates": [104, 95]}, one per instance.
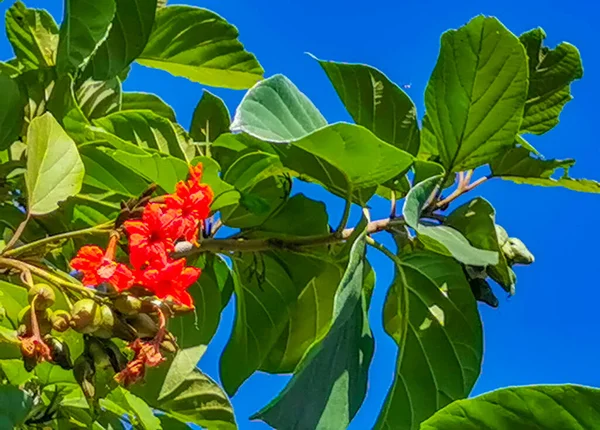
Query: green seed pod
{"type": "Point", "coordinates": [127, 304]}
{"type": "Point", "coordinates": [86, 316]}
{"type": "Point", "coordinates": [144, 325]}
{"type": "Point", "coordinates": [45, 296]}
{"type": "Point", "coordinates": [107, 323]}
{"type": "Point", "coordinates": [117, 359]}
{"type": "Point", "coordinates": [483, 292]}
{"type": "Point", "coordinates": [60, 352]}
{"type": "Point", "coordinates": [85, 375]}
{"type": "Point", "coordinates": [60, 320]}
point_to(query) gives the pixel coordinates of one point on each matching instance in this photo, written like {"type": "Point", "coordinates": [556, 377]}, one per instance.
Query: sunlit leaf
{"type": "Point", "coordinates": [440, 344]}
{"type": "Point", "coordinates": [33, 35]}
{"type": "Point", "coordinates": [476, 94]}
{"type": "Point", "coordinates": [199, 45]}
{"type": "Point", "coordinates": [99, 98]}
{"type": "Point", "coordinates": [548, 407]}
{"type": "Point", "coordinates": [138, 101]}
{"type": "Point", "coordinates": [275, 110]}
{"type": "Point", "coordinates": [85, 25]}
{"type": "Point", "coordinates": [15, 404]}
{"type": "Point", "coordinates": [120, 401]}
{"type": "Point", "coordinates": [54, 168]}
{"type": "Point", "coordinates": [551, 72]}
{"type": "Point", "coordinates": [376, 103]}
{"type": "Point", "coordinates": [210, 120]}
{"type": "Point", "coordinates": [519, 166]}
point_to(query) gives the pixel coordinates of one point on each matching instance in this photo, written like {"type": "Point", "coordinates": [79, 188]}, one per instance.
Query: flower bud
{"type": "Point", "coordinates": [145, 326]}
{"type": "Point", "coordinates": [60, 352]}
{"type": "Point", "coordinates": [128, 304]}
{"type": "Point", "coordinates": [85, 375]}
{"type": "Point", "coordinates": [86, 316]}
{"type": "Point", "coordinates": [60, 320]}
{"type": "Point", "coordinates": [45, 296]}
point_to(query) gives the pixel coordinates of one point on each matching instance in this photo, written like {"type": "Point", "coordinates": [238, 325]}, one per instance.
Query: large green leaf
{"type": "Point", "coordinates": [99, 98]}
{"type": "Point", "coordinates": [440, 238]}
{"type": "Point", "coordinates": [275, 110]}
{"type": "Point", "coordinates": [519, 166]}
{"type": "Point", "coordinates": [84, 26]}
{"type": "Point", "coordinates": [210, 120]}
{"type": "Point", "coordinates": [37, 87]}
{"type": "Point", "coordinates": [127, 38]}
{"type": "Point", "coordinates": [65, 108]}
{"type": "Point", "coordinates": [440, 342]}
{"type": "Point", "coordinates": [331, 380]}
{"type": "Point", "coordinates": [15, 404]}
{"type": "Point", "coordinates": [266, 293]}
{"type": "Point", "coordinates": [258, 179]}
{"type": "Point", "coordinates": [54, 168]}
{"type": "Point", "coordinates": [194, 331]}
{"type": "Point", "coordinates": [476, 94]}
{"type": "Point", "coordinates": [376, 103]}
{"type": "Point", "coordinates": [201, 401]}
{"type": "Point", "coordinates": [9, 70]}
{"type": "Point", "coordinates": [343, 157]}
{"type": "Point", "coordinates": [13, 298]}
{"type": "Point", "coordinates": [139, 101]}
{"type": "Point", "coordinates": [33, 35]}
{"type": "Point", "coordinates": [103, 171]}
{"type": "Point", "coordinates": [551, 72]}
{"type": "Point", "coordinates": [548, 407]}
{"type": "Point", "coordinates": [11, 111]}
{"type": "Point", "coordinates": [199, 45]}
{"type": "Point", "coordinates": [476, 220]}
{"type": "Point", "coordinates": [148, 130]}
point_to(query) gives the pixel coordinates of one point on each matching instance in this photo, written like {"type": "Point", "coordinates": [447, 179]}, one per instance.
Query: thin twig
{"type": "Point", "coordinates": [15, 237]}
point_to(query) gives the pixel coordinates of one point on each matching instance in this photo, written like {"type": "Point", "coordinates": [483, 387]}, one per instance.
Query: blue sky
{"type": "Point", "coordinates": [547, 332]}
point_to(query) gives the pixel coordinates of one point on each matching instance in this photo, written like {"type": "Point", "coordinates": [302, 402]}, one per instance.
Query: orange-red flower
{"type": "Point", "coordinates": [151, 239]}
{"type": "Point", "coordinates": [145, 354]}
{"type": "Point", "coordinates": [97, 267]}
{"type": "Point", "coordinates": [171, 281]}
{"type": "Point", "coordinates": [191, 202]}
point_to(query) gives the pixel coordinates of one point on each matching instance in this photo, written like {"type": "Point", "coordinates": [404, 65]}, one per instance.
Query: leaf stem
{"type": "Point", "coordinates": [102, 228]}
{"type": "Point", "coordinates": [464, 186]}
{"type": "Point", "coordinates": [15, 237]}
{"type": "Point", "coordinates": [347, 206]}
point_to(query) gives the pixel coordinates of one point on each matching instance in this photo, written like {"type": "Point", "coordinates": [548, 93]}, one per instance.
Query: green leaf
{"type": "Point", "coordinates": [199, 45]}
{"type": "Point", "coordinates": [99, 98]}
{"type": "Point", "coordinates": [14, 406]}
{"type": "Point", "coordinates": [65, 108]}
{"type": "Point", "coordinates": [262, 188]}
{"type": "Point", "coordinates": [37, 87]}
{"type": "Point", "coordinates": [103, 171]}
{"type": "Point", "coordinates": [127, 38]}
{"type": "Point", "coordinates": [476, 94]}
{"type": "Point", "coordinates": [331, 381]}
{"type": "Point", "coordinates": [274, 110]}
{"type": "Point", "coordinates": [376, 103]}
{"type": "Point", "coordinates": [194, 331]}
{"type": "Point", "coordinates": [14, 370]}
{"type": "Point", "coordinates": [201, 401]}
{"type": "Point", "coordinates": [85, 25]}
{"type": "Point", "coordinates": [345, 156]}
{"type": "Point", "coordinates": [551, 72]}
{"type": "Point", "coordinates": [33, 35]}
{"type": "Point", "coordinates": [146, 129]}
{"type": "Point", "coordinates": [54, 169]}
{"type": "Point", "coordinates": [140, 101]}
{"type": "Point", "coordinates": [9, 70]}
{"type": "Point", "coordinates": [476, 220]}
{"type": "Point", "coordinates": [548, 407]}
{"type": "Point", "coordinates": [267, 287]}
{"type": "Point", "coordinates": [210, 120]}
{"type": "Point", "coordinates": [440, 238]}
{"type": "Point", "coordinates": [161, 169]}
{"type": "Point", "coordinates": [425, 170]}
{"type": "Point", "coordinates": [519, 166]}
{"type": "Point", "coordinates": [11, 111]}
{"type": "Point", "coordinates": [121, 401]}
{"type": "Point", "coordinates": [440, 343]}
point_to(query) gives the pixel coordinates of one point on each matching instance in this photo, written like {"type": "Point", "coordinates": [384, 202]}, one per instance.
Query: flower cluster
{"type": "Point", "coordinates": [151, 241]}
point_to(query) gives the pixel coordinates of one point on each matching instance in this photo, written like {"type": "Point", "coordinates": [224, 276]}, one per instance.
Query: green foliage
{"type": "Point", "coordinates": [552, 407]}
{"type": "Point", "coordinates": [76, 152]}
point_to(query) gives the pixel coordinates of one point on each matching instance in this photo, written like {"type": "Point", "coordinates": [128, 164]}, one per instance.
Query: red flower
{"type": "Point", "coordinates": [98, 267]}
{"type": "Point", "coordinates": [146, 354]}
{"type": "Point", "coordinates": [171, 281]}
{"type": "Point", "coordinates": [151, 239]}
{"type": "Point", "coordinates": [196, 172]}
{"type": "Point", "coordinates": [191, 202]}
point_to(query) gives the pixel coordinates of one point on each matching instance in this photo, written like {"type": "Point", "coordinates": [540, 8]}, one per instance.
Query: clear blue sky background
{"type": "Point", "coordinates": [548, 332]}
